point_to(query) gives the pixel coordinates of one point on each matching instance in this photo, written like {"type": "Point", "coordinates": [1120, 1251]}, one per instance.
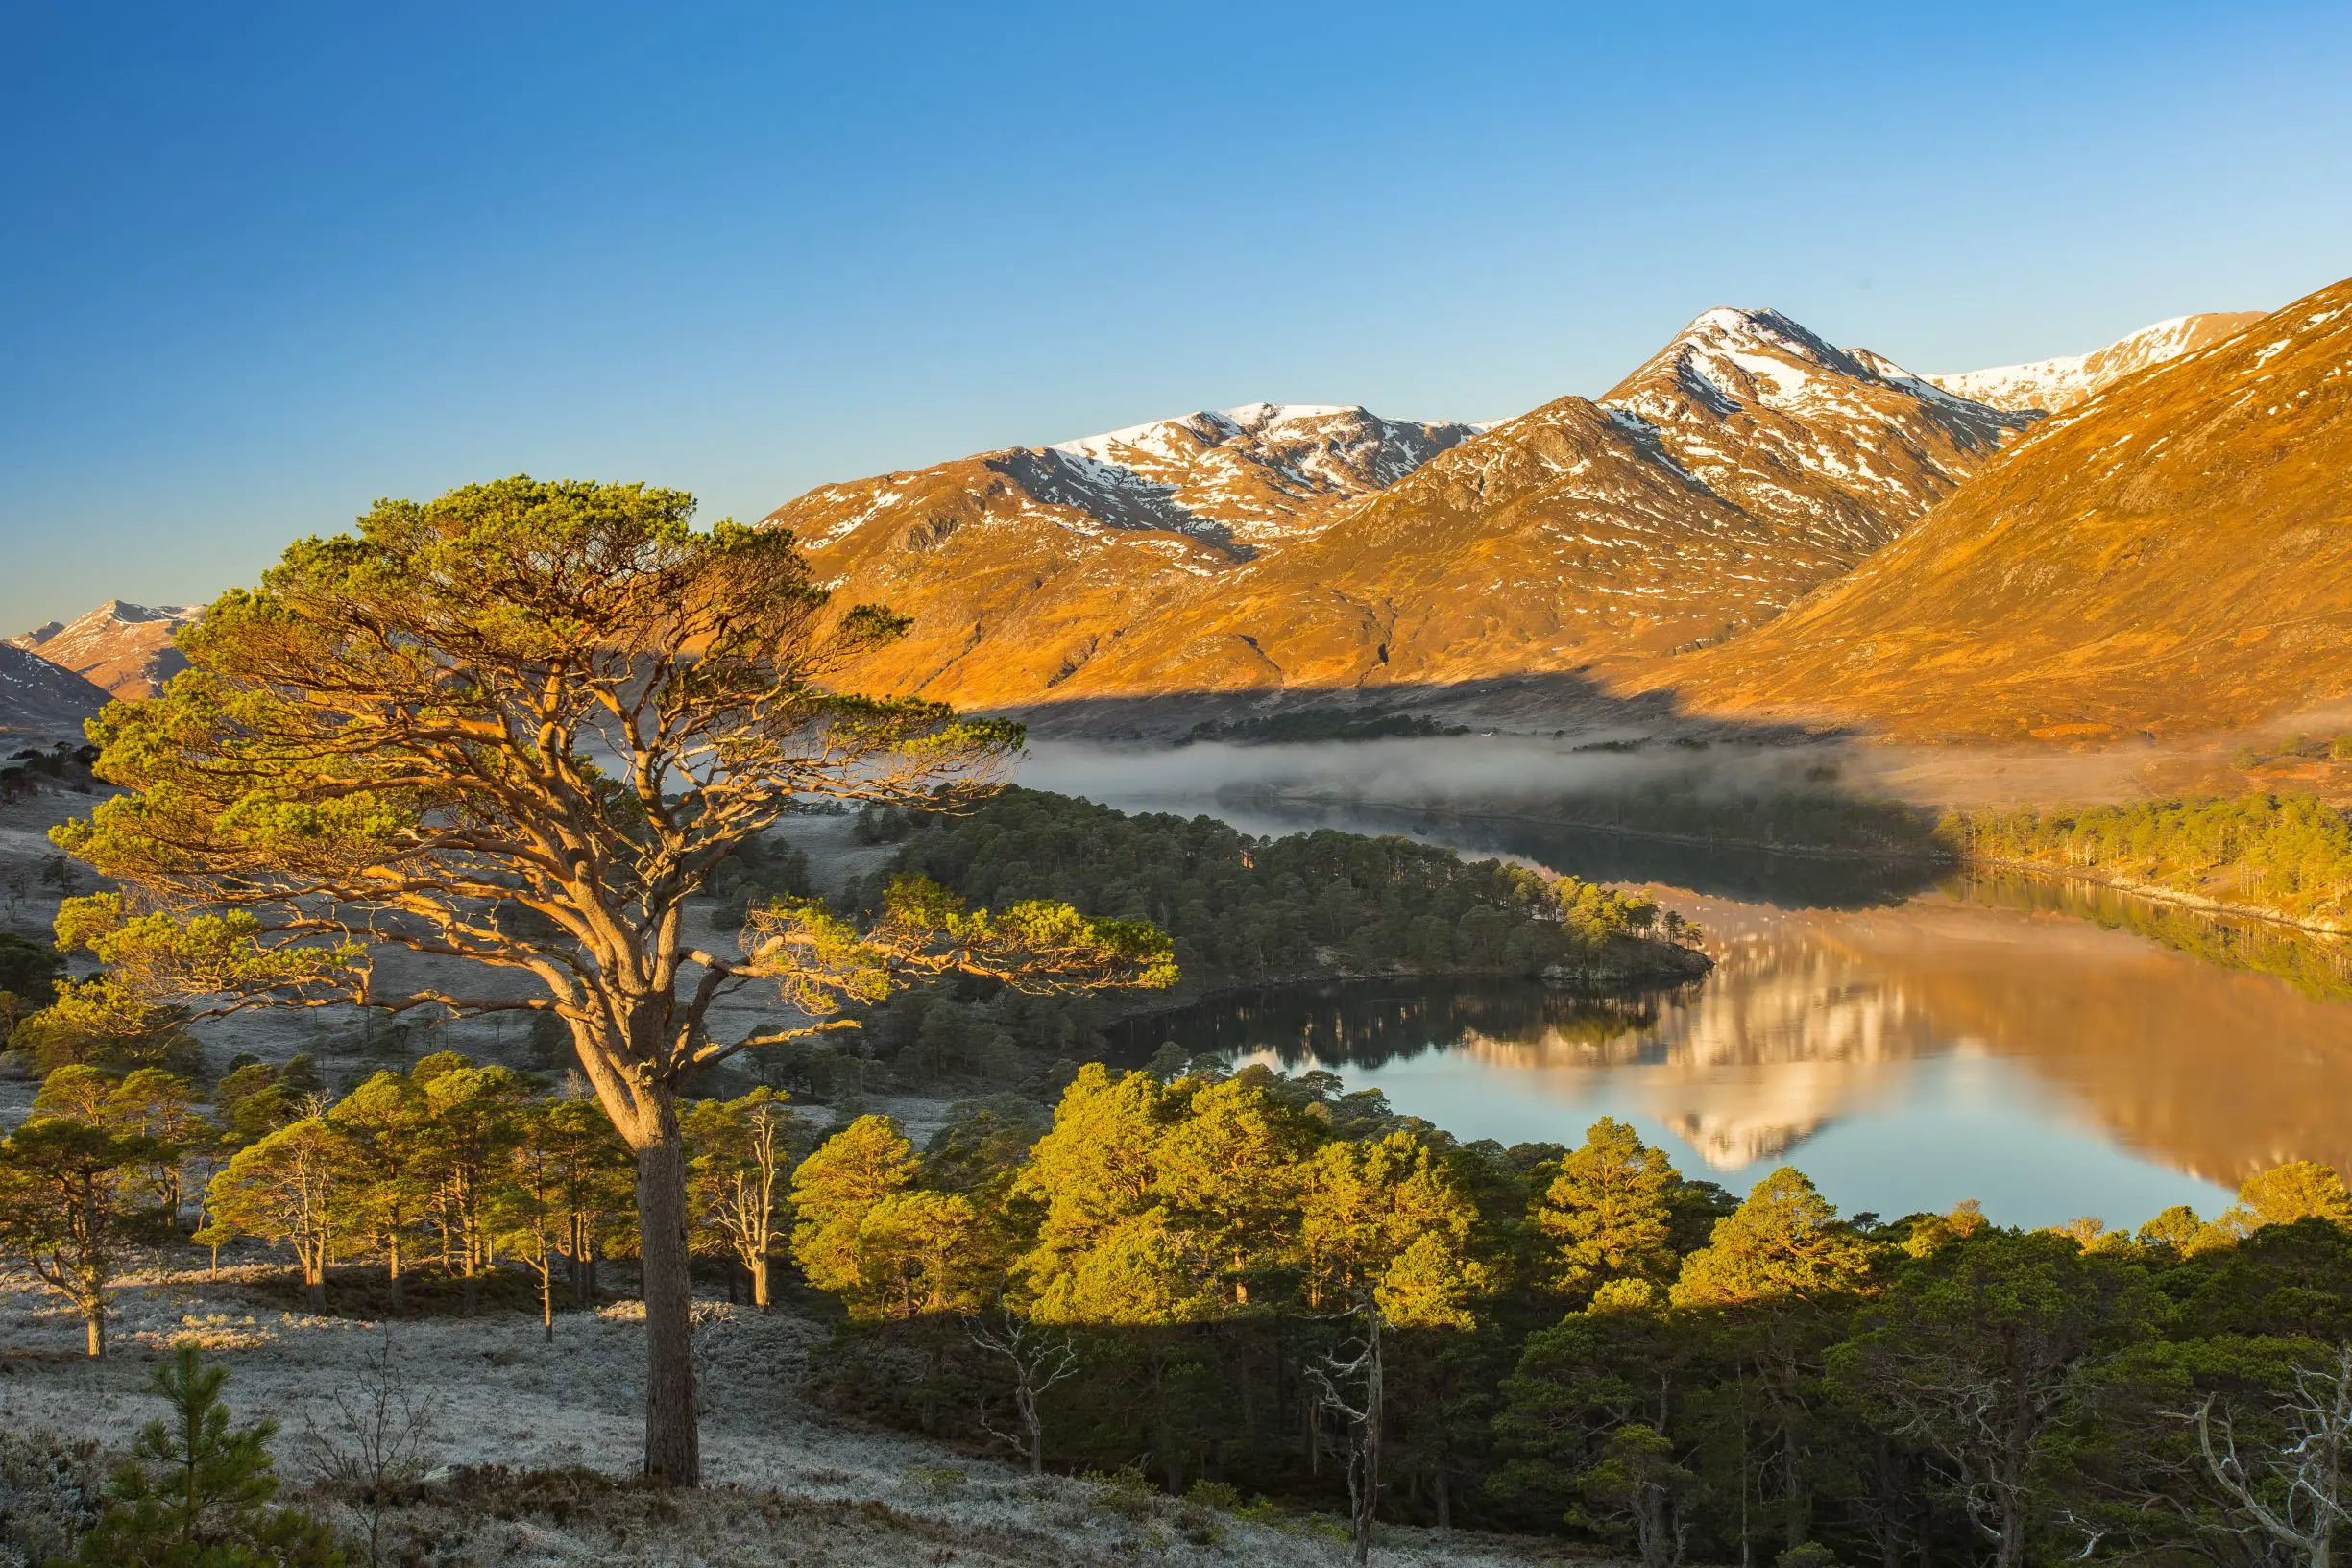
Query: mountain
{"type": "Point", "coordinates": [1265, 472]}
{"type": "Point", "coordinates": [1017, 565]}
{"type": "Point", "coordinates": [42, 702]}
{"type": "Point", "coordinates": [2173, 554]}
{"type": "Point", "coordinates": [124, 648]}
{"type": "Point", "coordinates": [1739, 467]}
{"type": "Point", "coordinates": [1744, 464]}
{"type": "Point", "coordinates": [2055, 385]}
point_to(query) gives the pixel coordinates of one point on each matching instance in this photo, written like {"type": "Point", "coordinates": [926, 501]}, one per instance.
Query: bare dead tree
{"type": "Point", "coordinates": [374, 1439]}
{"type": "Point", "coordinates": [1351, 1383]}
{"type": "Point", "coordinates": [1041, 1359]}
{"type": "Point", "coordinates": [2290, 1486]}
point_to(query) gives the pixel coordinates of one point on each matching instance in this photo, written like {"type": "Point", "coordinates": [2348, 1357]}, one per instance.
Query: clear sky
{"type": "Point", "coordinates": [263, 264]}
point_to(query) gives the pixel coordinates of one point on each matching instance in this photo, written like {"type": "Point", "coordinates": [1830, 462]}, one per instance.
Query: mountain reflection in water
{"type": "Point", "coordinates": [1904, 1057]}
{"type": "Point", "coordinates": [1906, 1036]}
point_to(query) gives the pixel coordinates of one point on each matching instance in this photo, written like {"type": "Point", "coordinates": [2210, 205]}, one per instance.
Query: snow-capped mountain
{"type": "Point", "coordinates": [40, 703]}
{"type": "Point", "coordinates": [2170, 554]}
{"type": "Point", "coordinates": [1031, 557]}
{"type": "Point", "coordinates": [122, 647]}
{"type": "Point", "coordinates": [1236, 477]}
{"type": "Point", "coordinates": [1787, 425]}
{"type": "Point", "coordinates": [1740, 467]}
{"type": "Point", "coordinates": [2056, 385]}
{"type": "Point", "coordinates": [1263, 472]}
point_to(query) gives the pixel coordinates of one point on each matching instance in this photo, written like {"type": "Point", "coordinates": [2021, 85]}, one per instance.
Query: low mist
{"type": "Point", "coordinates": [1461, 772]}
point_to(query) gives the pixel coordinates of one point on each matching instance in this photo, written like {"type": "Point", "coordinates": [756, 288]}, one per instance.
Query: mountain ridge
{"type": "Point", "coordinates": [1736, 469]}
{"type": "Point", "coordinates": [125, 649]}
{"type": "Point", "coordinates": [2057, 384]}
{"type": "Point", "coordinates": [2173, 554]}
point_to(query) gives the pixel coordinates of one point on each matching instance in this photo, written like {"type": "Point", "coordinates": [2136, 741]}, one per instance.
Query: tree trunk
{"type": "Point", "coordinates": [1368, 1501]}
{"type": "Point", "coordinates": [673, 1446]}
{"type": "Point", "coordinates": [393, 1249]}
{"type": "Point", "coordinates": [546, 1297]}
{"type": "Point", "coordinates": [759, 1282]}
{"type": "Point", "coordinates": [97, 1324]}
{"type": "Point", "coordinates": [2011, 1551]}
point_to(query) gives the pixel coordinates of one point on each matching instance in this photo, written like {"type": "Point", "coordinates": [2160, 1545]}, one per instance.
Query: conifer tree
{"type": "Point", "coordinates": [1610, 1211]}
{"type": "Point", "coordinates": [1228, 1171]}
{"type": "Point", "coordinates": [1783, 1243]}
{"type": "Point", "coordinates": [64, 1208]}
{"type": "Point", "coordinates": [1364, 1204]}
{"type": "Point", "coordinates": [518, 727]}
{"type": "Point", "coordinates": [597, 1173]}
{"type": "Point", "coordinates": [2299, 1189]}
{"type": "Point", "coordinates": [75, 1091]}
{"type": "Point", "coordinates": [196, 1492]}
{"type": "Point", "coordinates": [1106, 1249]}
{"type": "Point", "coordinates": [160, 1105]}
{"type": "Point", "coordinates": [384, 1121]}
{"type": "Point", "coordinates": [295, 1188]}
{"type": "Point", "coordinates": [526, 1214]}
{"type": "Point", "coordinates": [465, 1139]}
{"type": "Point", "coordinates": [924, 1253]}
{"type": "Point", "coordinates": [738, 1151]}
{"type": "Point", "coordinates": [834, 1189]}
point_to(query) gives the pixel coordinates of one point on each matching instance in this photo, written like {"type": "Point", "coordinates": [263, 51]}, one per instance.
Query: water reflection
{"type": "Point", "coordinates": [1904, 1057]}
{"type": "Point", "coordinates": [2051, 1048]}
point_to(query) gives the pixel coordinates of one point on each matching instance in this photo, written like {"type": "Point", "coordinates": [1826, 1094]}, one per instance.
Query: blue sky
{"type": "Point", "coordinates": [264, 264]}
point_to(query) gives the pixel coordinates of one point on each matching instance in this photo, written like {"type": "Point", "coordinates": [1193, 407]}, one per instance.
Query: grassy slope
{"type": "Point", "coordinates": [2172, 556]}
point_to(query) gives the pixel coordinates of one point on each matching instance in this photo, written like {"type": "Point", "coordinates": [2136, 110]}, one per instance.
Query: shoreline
{"type": "Point", "coordinates": [2160, 895]}
{"type": "Point", "coordinates": [1937, 857]}
{"type": "Point", "coordinates": [1696, 967]}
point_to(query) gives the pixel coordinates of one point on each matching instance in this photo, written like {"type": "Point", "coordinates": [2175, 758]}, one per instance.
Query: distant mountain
{"type": "Point", "coordinates": [1264, 472]}
{"type": "Point", "coordinates": [122, 647]}
{"type": "Point", "coordinates": [2055, 385]}
{"type": "Point", "coordinates": [40, 703]}
{"type": "Point", "coordinates": [1739, 467]}
{"type": "Point", "coordinates": [2174, 553]}
{"type": "Point", "coordinates": [1034, 557]}
{"type": "Point", "coordinates": [1744, 464]}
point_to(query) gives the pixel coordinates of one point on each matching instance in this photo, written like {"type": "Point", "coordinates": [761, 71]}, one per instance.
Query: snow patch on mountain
{"type": "Point", "coordinates": [2057, 384]}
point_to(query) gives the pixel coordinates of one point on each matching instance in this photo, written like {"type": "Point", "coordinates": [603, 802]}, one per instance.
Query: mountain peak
{"type": "Point", "coordinates": [2168, 553]}
{"type": "Point", "coordinates": [123, 647]}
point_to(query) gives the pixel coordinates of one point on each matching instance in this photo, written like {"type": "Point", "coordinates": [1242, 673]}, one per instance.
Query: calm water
{"type": "Point", "coordinates": [1905, 1044]}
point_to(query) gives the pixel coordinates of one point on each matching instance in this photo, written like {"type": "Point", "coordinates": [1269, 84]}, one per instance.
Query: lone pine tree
{"type": "Point", "coordinates": [514, 729]}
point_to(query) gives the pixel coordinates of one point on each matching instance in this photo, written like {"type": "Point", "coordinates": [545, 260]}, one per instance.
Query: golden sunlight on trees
{"type": "Point", "coordinates": [1782, 1243]}
{"type": "Point", "coordinates": [66, 1202]}
{"type": "Point", "coordinates": [833, 1191]}
{"type": "Point", "coordinates": [293, 1189]}
{"type": "Point", "coordinates": [735, 1180]}
{"type": "Point", "coordinates": [2299, 1189]}
{"type": "Point", "coordinates": [1610, 1211]}
{"type": "Point", "coordinates": [508, 733]}
{"type": "Point", "coordinates": [1263, 1278]}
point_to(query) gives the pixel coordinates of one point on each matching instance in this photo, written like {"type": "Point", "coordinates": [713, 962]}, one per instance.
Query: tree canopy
{"type": "Point", "coordinates": [512, 730]}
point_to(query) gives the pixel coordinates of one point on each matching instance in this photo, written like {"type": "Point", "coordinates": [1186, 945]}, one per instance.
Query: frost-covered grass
{"type": "Point", "coordinates": [534, 1442]}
